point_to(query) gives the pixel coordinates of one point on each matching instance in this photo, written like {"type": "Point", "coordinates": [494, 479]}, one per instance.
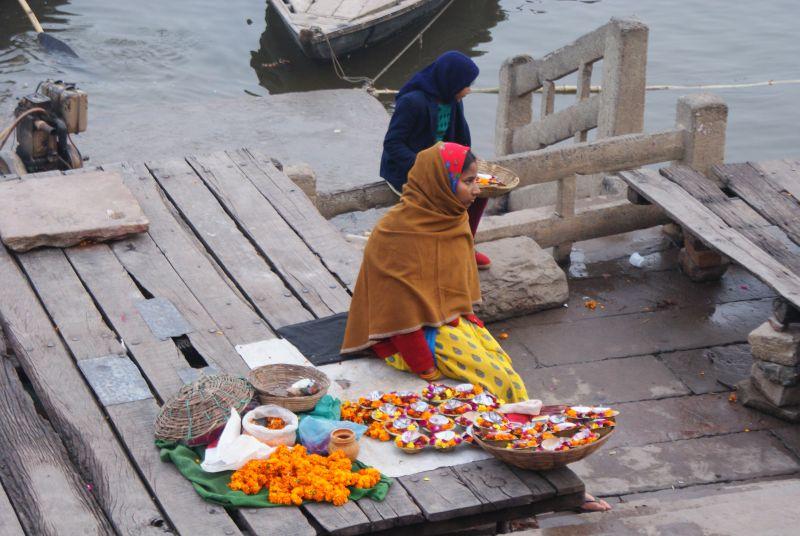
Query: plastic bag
{"type": "Point", "coordinates": [234, 449]}
{"type": "Point", "coordinates": [315, 433]}
{"type": "Point", "coordinates": [525, 407]}
{"type": "Point", "coordinates": [273, 438]}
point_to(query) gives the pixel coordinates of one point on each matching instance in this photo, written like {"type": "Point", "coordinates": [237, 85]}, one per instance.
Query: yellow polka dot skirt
{"type": "Point", "coordinates": [469, 353]}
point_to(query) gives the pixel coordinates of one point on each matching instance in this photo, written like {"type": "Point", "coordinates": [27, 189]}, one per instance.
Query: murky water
{"type": "Point", "coordinates": [152, 53]}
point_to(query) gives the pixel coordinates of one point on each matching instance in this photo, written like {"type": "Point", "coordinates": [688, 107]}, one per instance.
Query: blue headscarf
{"type": "Point", "coordinates": [444, 78]}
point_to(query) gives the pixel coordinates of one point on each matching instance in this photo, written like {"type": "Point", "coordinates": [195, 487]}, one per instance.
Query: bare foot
{"type": "Point", "coordinates": [591, 504]}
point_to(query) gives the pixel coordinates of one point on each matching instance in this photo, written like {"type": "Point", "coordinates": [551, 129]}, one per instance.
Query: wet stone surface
{"type": "Point", "coordinates": [711, 370]}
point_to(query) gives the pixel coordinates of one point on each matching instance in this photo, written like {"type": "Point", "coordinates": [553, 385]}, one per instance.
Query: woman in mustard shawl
{"type": "Point", "coordinates": [413, 300]}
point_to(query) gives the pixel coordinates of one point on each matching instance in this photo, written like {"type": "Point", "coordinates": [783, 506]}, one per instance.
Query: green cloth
{"type": "Point", "coordinates": [443, 121]}
{"type": "Point", "coordinates": [213, 487]}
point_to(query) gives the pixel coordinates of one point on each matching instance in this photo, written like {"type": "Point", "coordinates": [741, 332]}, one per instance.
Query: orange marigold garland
{"type": "Point", "coordinates": [292, 476]}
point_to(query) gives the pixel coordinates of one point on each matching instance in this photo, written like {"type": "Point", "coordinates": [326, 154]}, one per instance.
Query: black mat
{"type": "Point", "coordinates": [319, 340]}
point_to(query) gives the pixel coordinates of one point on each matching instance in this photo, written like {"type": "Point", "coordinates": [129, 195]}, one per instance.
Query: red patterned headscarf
{"type": "Point", "coordinates": [453, 156]}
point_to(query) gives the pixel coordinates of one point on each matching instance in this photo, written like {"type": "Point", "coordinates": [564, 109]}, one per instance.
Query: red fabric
{"type": "Point", "coordinates": [475, 211]}
{"type": "Point", "coordinates": [474, 319]}
{"type": "Point", "coordinates": [384, 349]}
{"type": "Point", "coordinates": [415, 351]}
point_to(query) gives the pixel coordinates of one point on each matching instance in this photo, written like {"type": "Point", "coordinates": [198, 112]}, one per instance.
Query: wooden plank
{"type": "Point", "coordinates": [298, 266]}
{"type": "Point", "coordinates": [564, 480]}
{"type": "Point", "coordinates": [70, 405]}
{"type": "Point", "coordinates": [187, 512]}
{"type": "Point", "coordinates": [8, 518]}
{"type": "Point", "coordinates": [116, 295]}
{"type": "Point", "coordinates": [741, 218]}
{"type": "Point", "coordinates": [396, 510]}
{"type": "Point", "coordinates": [541, 489]}
{"type": "Point", "coordinates": [345, 520]}
{"type": "Point", "coordinates": [783, 173]}
{"type": "Point", "coordinates": [206, 280]}
{"type": "Point", "coordinates": [441, 495]}
{"type": "Point", "coordinates": [764, 196]}
{"type": "Point", "coordinates": [494, 484]}
{"type": "Point", "coordinates": [299, 212]}
{"type": "Point", "coordinates": [50, 496]}
{"type": "Point", "coordinates": [221, 237]}
{"type": "Point", "coordinates": [714, 232]}
{"type": "Point", "coordinates": [287, 520]}
{"type": "Point", "coordinates": [350, 9]}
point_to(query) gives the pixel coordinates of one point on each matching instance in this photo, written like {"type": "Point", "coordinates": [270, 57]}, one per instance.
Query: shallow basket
{"type": "Point", "coordinates": [541, 461]}
{"type": "Point", "coordinates": [509, 179]}
{"type": "Point", "coordinates": [271, 380]}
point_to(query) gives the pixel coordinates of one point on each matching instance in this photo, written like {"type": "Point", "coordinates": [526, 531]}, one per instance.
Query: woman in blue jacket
{"type": "Point", "coordinates": [429, 109]}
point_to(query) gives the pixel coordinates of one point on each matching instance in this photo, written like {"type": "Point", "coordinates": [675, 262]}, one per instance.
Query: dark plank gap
{"type": "Point", "coordinates": [302, 270]}
{"type": "Point", "coordinates": [232, 250]}
{"type": "Point", "coordinates": [50, 496]}
{"type": "Point", "coordinates": [296, 208]}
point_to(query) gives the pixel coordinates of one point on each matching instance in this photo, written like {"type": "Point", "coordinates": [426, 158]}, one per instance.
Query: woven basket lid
{"type": "Point", "coordinates": [202, 407]}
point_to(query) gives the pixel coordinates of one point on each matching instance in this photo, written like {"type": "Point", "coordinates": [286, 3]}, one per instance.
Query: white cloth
{"type": "Point", "coordinates": [526, 407]}
{"type": "Point", "coordinates": [234, 449]}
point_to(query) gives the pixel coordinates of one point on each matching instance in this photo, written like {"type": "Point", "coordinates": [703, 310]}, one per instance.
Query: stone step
{"type": "Point", "coordinates": [755, 508]}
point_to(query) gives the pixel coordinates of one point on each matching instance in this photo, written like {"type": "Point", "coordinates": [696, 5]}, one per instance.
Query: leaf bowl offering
{"type": "Point", "coordinates": [454, 408]}
{"type": "Point", "coordinates": [439, 423]}
{"type": "Point", "coordinates": [420, 410]}
{"type": "Point", "coordinates": [446, 440]}
{"type": "Point", "coordinates": [400, 426]}
{"type": "Point", "coordinates": [491, 420]}
{"type": "Point", "coordinates": [387, 412]}
{"type": "Point", "coordinates": [498, 438]}
{"type": "Point", "coordinates": [602, 426]}
{"type": "Point", "coordinates": [436, 393]}
{"type": "Point", "coordinates": [523, 444]}
{"type": "Point", "coordinates": [405, 398]}
{"type": "Point", "coordinates": [372, 401]}
{"type": "Point", "coordinates": [485, 402]}
{"type": "Point", "coordinates": [467, 391]}
{"type": "Point", "coordinates": [412, 442]}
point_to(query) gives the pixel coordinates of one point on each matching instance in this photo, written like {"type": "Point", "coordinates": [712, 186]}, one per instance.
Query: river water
{"type": "Point", "coordinates": [152, 53]}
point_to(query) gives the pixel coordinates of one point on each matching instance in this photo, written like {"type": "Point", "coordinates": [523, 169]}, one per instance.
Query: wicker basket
{"type": "Point", "coordinates": [201, 408]}
{"type": "Point", "coordinates": [272, 381]}
{"type": "Point", "coordinates": [540, 461]}
{"type": "Point", "coordinates": [504, 175]}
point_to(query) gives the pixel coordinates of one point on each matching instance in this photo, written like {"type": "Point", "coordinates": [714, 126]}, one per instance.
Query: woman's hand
{"type": "Point", "coordinates": [431, 374]}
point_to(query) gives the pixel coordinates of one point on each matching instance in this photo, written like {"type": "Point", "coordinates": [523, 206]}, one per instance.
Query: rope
{"type": "Point", "coordinates": [368, 82]}
{"type": "Point", "coordinates": [571, 90]}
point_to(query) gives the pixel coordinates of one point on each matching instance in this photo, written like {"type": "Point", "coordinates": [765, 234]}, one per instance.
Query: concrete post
{"type": "Point", "coordinates": [703, 118]}
{"type": "Point", "coordinates": [513, 111]}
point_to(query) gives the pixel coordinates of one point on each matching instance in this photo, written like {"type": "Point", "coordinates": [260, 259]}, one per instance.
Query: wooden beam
{"type": "Point", "coordinates": [713, 231]}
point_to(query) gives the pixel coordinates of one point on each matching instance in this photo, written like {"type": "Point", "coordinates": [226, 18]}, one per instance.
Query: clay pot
{"type": "Point", "coordinates": [345, 440]}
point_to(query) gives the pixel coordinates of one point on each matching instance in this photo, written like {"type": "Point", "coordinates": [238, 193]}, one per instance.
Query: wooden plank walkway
{"type": "Point", "coordinates": [760, 230]}
{"type": "Point", "coordinates": [237, 250]}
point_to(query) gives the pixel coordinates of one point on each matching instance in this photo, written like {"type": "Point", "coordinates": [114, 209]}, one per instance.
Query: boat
{"type": "Point", "coordinates": [325, 27]}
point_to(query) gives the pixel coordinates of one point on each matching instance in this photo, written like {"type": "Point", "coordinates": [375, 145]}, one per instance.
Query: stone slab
{"type": "Point", "coordinates": [625, 335]}
{"type": "Point", "coordinates": [751, 397]}
{"type": "Point", "coordinates": [742, 456]}
{"type": "Point", "coordinates": [731, 509]}
{"type": "Point", "coordinates": [780, 374]}
{"type": "Point", "coordinates": [790, 436]}
{"type": "Point", "coordinates": [338, 132]}
{"type": "Point", "coordinates": [271, 352]}
{"type": "Point", "coordinates": [780, 395]}
{"type": "Point", "coordinates": [606, 382]}
{"type": "Point", "coordinates": [65, 210]}
{"type": "Point", "coordinates": [685, 417]}
{"type": "Point", "coordinates": [522, 279]}
{"type": "Point", "coordinates": [163, 318]}
{"type": "Point", "coordinates": [711, 370]}
{"type": "Point", "coordinates": [782, 347]}
{"type": "Point", "coordinates": [114, 379]}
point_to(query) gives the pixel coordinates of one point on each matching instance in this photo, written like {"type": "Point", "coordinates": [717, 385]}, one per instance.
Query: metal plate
{"type": "Point", "coordinates": [114, 379]}
{"type": "Point", "coordinates": [163, 319]}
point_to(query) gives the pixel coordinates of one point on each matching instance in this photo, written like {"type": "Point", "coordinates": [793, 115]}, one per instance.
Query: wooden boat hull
{"type": "Point", "coordinates": [349, 38]}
